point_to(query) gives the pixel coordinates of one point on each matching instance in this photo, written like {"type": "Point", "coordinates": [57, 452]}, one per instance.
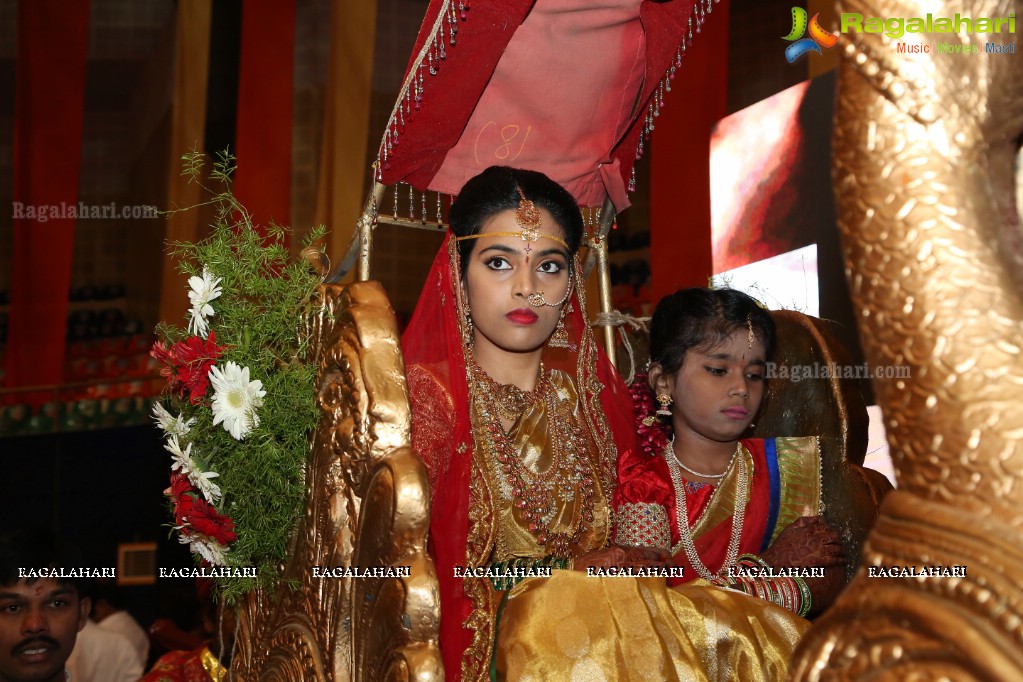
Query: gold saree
{"type": "Point", "coordinates": [575, 627]}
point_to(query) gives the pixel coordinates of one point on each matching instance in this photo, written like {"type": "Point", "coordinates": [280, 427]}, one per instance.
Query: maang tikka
{"type": "Point", "coordinates": [529, 220]}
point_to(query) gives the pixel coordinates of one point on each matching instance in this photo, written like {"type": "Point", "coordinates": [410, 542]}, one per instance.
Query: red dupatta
{"type": "Point", "coordinates": [442, 435]}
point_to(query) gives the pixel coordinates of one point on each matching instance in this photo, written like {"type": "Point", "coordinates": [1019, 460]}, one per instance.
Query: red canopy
{"type": "Point", "coordinates": [567, 87]}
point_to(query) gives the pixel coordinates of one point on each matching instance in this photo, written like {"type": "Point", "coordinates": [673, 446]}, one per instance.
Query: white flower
{"type": "Point", "coordinates": [203, 483]}
{"type": "Point", "coordinates": [184, 463]}
{"type": "Point", "coordinates": [171, 425]}
{"type": "Point", "coordinates": [203, 290]}
{"type": "Point", "coordinates": [236, 399]}
{"type": "Point", "coordinates": [208, 548]}
{"type": "Point", "coordinates": [182, 458]}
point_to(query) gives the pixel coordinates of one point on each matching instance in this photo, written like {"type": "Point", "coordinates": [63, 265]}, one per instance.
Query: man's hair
{"type": "Point", "coordinates": [35, 548]}
{"type": "Point", "coordinates": [106, 589]}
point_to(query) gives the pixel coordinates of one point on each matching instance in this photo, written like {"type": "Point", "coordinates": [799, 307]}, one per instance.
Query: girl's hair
{"type": "Point", "coordinates": [703, 318]}
{"type": "Point", "coordinates": [497, 189]}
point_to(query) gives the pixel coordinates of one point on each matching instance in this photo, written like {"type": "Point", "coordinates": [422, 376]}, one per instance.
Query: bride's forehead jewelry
{"type": "Point", "coordinates": [527, 215]}
{"type": "Point", "coordinates": [528, 218]}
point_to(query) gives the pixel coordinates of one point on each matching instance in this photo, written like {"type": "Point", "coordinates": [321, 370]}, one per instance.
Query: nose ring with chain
{"type": "Point", "coordinates": [537, 300]}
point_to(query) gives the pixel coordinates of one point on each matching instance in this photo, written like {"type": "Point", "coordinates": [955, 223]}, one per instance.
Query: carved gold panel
{"type": "Point", "coordinates": [367, 506]}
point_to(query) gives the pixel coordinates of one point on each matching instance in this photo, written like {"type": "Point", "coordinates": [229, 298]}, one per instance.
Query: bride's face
{"type": "Point", "coordinates": [503, 271]}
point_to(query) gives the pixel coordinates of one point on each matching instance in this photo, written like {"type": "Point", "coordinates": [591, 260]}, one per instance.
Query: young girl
{"type": "Point", "coordinates": [732, 511]}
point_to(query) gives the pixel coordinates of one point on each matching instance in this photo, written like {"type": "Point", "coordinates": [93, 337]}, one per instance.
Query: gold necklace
{"type": "Point", "coordinates": [510, 400]}
{"type": "Point", "coordinates": [536, 494]}
{"type": "Point", "coordinates": [694, 472]}
{"type": "Point", "coordinates": [682, 515]}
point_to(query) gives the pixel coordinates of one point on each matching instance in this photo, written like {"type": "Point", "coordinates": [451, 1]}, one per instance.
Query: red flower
{"type": "Point", "coordinates": [194, 358]}
{"type": "Point", "coordinates": [182, 509]}
{"type": "Point", "coordinates": [192, 511]}
{"type": "Point", "coordinates": [197, 514]}
{"type": "Point", "coordinates": [179, 486]}
{"type": "Point", "coordinates": [162, 355]}
{"type": "Point", "coordinates": [205, 519]}
{"type": "Point", "coordinates": [187, 365]}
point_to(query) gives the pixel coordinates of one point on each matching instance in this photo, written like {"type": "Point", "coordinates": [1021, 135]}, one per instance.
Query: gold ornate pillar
{"type": "Point", "coordinates": [926, 146]}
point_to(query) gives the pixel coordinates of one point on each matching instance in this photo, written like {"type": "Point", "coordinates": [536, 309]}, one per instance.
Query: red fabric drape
{"type": "Point", "coordinates": [49, 96]}
{"type": "Point", "coordinates": [680, 238]}
{"type": "Point", "coordinates": [450, 96]}
{"type": "Point", "coordinates": [265, 87]}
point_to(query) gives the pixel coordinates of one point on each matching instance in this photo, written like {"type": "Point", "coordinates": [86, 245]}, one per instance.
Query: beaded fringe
{"type": "Point", "coordinates": [413, 90]}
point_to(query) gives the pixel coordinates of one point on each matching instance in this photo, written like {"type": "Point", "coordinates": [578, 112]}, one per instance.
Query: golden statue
{"type": "Point", "coordinates": [927, 180]}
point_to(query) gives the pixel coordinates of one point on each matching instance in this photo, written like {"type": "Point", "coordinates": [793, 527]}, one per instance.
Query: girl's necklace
{"type": "Point", "coordinates": [682, 513]}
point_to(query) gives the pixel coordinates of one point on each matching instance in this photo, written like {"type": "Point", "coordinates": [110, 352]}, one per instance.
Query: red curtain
{"type": "Point", "coordinates": [680, 236]}
{"type": "Point", "coordinates": [265, 87]}
{"type": "Point", "coordinates": [48, 116]}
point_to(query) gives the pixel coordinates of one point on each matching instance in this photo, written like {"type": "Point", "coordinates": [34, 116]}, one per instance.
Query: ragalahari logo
{"type": "Point", "coordinates": [818, 36]}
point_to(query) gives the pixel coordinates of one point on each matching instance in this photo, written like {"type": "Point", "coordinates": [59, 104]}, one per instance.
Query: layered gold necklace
{"type": "Point", "coordinates": [682, 513]}
{"type": "Point", "coordinates": [536, 495]}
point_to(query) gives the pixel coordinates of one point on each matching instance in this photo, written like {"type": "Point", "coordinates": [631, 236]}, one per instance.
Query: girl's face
{"type": "Point", "coordinates": [718, 390]}
{"type": "Point", "coordinates": [502, 271]}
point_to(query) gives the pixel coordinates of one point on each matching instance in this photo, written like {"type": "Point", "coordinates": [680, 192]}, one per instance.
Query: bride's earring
{"type": "Point", "coordinates": [467, 329]}
{"type": "Point", "coordinates": [559, 339]}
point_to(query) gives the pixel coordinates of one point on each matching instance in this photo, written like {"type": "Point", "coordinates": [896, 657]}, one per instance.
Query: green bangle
{"type": "Point", "coordinates": [755, 559]}
{"type": "Point", "coordinates": [807, 597]}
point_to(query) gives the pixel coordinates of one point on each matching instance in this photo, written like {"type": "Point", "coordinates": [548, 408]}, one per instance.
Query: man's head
{"type": "Point", "coordinates": [39, 617]}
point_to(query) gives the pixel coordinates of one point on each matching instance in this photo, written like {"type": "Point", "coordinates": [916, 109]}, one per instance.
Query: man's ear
{"type": "Point", "coordinates": [84, 607]}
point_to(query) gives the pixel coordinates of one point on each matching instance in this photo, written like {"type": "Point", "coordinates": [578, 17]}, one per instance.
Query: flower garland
{"type": "Point", "coordinates": [653, 434]}
{"type": "Point", "coordinates": [240, 393]}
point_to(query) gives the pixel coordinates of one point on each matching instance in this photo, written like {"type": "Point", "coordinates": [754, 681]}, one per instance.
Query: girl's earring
{"type": "Point", "coordinates": [665, 400]}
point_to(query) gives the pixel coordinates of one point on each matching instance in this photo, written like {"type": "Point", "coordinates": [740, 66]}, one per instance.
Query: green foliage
{"type": "Point", "coordinates": [256, 318]}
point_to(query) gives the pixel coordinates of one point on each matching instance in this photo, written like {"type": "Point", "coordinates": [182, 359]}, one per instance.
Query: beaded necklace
{"type": "Point", "coordinates": [536, 494]}
{"type": "Point", "coordinates": [682, 514]}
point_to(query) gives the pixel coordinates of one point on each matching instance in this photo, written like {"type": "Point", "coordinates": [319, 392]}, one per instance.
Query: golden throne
{"type": "Point", "coordinates": [367, 505]}
{"type": "Point", "coordinates": [833, 409]}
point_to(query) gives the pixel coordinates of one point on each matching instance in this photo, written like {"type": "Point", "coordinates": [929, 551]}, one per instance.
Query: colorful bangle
{"type": "Point", "coordinates": [788, 590]}
{"type": "Point", "coordinates": [806, 597]}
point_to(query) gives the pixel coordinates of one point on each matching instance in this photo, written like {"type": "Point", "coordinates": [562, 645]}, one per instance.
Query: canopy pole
{"type": "Point", "coordinates": [364, 230]}
{"type": "Point", "coordinates": [599, 246]}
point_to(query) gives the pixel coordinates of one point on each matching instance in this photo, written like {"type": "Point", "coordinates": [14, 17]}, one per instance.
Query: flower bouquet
{"type": "Point", "coordinates": [240, 398]}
